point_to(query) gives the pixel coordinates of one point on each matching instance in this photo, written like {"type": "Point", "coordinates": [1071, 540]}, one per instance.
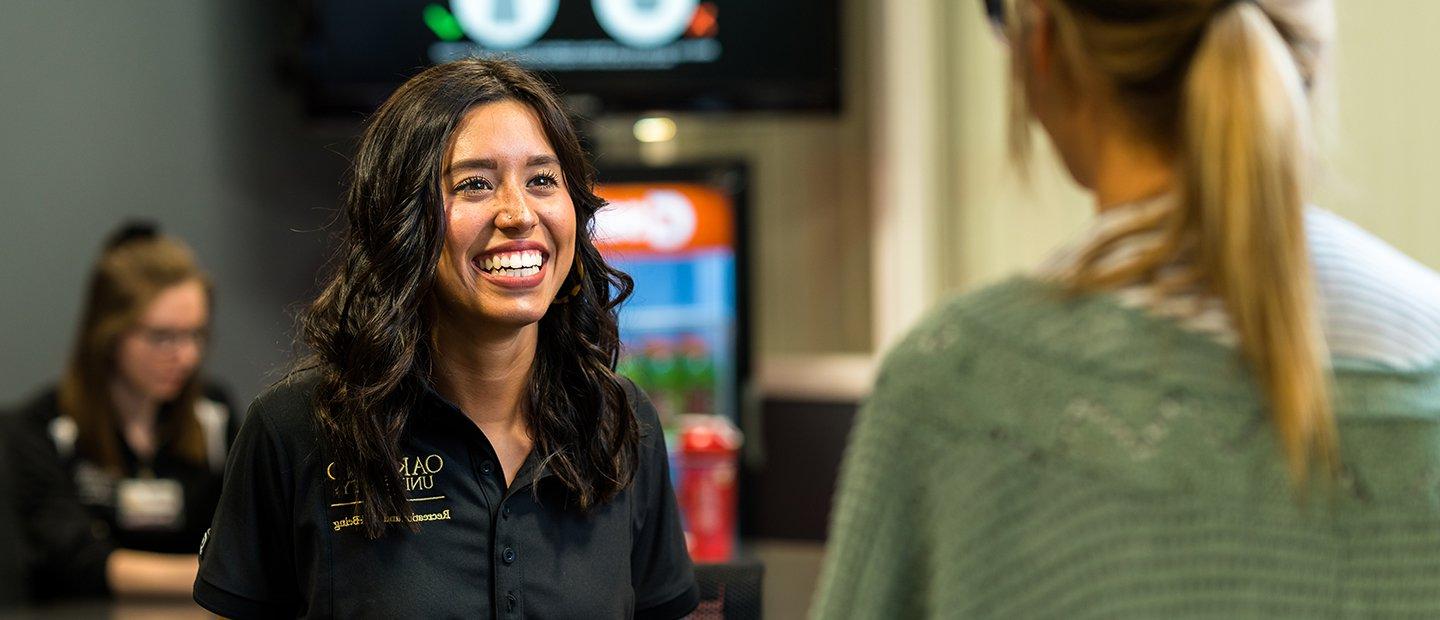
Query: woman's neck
{"type": "Point", "coordinates": [137, 414]}
{"type": "Point", "coordinates": [485, 372]}
{"type": "Point", "coordinates": [1128, 171]}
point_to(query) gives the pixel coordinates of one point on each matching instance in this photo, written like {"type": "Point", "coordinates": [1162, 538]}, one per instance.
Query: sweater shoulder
{"type": "Point", "coordinates": [1023, 332]}
{"type": "Point", "coordinates": [948, 358]}
{"type": "Point", "coordinates": [1025, 370]}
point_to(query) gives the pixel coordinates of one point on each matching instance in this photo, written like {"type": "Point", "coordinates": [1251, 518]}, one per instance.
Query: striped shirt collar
{"type": "Point", "coordinates": [1117, 235]}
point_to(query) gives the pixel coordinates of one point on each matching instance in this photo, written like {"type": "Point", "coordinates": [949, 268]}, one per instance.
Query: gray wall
{"type": "Point", "coordinates": [168, 110]}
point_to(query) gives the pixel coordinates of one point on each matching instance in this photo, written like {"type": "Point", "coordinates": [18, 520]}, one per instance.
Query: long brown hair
{"type": "Point", "coordinates": [1224, 87]}
{"type": "Point", "coordinates": [135, 266]}
{"type": "Point", "coordinates": [369, 329]}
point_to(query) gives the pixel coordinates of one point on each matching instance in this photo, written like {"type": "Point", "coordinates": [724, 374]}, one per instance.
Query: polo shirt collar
{"type": "Point", "coordinates": [436, 408]}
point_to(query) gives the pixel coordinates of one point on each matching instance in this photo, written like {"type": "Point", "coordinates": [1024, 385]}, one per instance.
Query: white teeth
{"type": "Point", "coordinates": [522, 272]}
{"type": "Point", "coordinates": [514, 261]}
{"type": "Point", "coordinates": [514, 272]}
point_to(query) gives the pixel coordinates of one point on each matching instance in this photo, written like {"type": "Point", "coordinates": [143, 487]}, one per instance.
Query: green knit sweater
{"type": "Point", "coordinates": [1028, 455]}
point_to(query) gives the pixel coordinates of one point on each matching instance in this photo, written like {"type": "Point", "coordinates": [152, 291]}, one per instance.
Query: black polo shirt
{"type": "Point", "coordinates": [286, 542]}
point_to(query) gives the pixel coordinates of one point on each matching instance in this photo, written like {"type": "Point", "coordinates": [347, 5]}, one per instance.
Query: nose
{"type": "Point", "coordinates": [188, 353]}
{"type": "Point", "coordinates": [515, 215]}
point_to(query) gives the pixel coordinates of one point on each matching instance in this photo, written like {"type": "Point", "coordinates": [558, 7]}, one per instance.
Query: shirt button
{"type": "Point", "coordinates": [505, 512]}
{"type": "Point", "coordinates": [487, 467]}
{"type": "Point", "coordinates": [509, 602]}
{"type": "Point", "coordinates": [508, 555]}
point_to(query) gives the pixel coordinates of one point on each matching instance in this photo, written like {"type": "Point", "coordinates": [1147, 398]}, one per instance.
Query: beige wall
{"type": "Point", "coordinates": [1384, 170]}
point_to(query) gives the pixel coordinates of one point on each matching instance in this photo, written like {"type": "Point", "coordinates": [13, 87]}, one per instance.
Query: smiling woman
{"type": "Point", "coordinates": [470, 322]}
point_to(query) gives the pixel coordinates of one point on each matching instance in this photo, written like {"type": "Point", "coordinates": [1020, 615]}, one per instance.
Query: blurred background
{"type": "Point", "coordinates": [795, 183]}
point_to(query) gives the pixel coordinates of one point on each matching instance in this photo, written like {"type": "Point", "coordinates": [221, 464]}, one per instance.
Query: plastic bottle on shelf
{"type": "Point", "coordinates": [708, 463]}
{"type": "Point", "coordinates": [698, 385]}
{"type": "Point", "coordinates": [663, 374]}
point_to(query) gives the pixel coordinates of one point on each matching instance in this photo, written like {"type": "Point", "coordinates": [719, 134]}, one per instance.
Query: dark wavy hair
{"type": "Point", "coordinates": [369, 330]}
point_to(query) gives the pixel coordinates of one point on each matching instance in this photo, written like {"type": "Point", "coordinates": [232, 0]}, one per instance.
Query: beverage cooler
{"type": "Point", "coordinates": [678, 231]}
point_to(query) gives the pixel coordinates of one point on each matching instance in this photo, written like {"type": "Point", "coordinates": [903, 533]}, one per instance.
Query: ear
{"type": "Point", "coordinates": [1040, 42]}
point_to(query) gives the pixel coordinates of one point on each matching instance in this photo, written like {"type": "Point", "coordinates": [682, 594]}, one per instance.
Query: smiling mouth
{"type": "Point", "coordinates": [522, 264]}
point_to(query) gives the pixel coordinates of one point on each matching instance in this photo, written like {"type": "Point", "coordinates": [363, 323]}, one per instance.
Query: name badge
{"type": "Point", "coordinates": [150, 504]}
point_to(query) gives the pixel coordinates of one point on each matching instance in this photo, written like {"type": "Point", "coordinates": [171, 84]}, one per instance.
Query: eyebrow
{"type": "Point", "coordinates": [482, 163]}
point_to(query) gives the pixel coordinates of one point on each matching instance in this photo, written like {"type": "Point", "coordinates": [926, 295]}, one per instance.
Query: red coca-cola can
{"type": "Point", "coordinates": [709, 451]}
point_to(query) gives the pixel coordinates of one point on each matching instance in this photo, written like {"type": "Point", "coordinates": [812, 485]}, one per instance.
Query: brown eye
{"type": "Point", "coordinates": [545, 179]}
{"type": "Point", "coordinates": [474, 184]}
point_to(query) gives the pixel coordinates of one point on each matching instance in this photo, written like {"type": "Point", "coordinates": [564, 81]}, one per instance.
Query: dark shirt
{"type": "Point", "coordinates": [73, 511]}
{"type": "Point", "coordinates": [12, 568]}
{"type": "Point", "coordinates": [286, 541]}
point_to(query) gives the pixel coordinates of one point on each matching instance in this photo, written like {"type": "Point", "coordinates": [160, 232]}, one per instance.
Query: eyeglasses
{"type": "Point", "coordinates": [171, 339]}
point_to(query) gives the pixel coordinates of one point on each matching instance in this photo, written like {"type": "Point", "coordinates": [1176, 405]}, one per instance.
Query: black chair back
{"type": "Point", "coordinates": [729, 591]}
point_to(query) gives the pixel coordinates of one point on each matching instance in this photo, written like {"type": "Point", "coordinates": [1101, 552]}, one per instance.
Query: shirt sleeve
{"type": "Point", "coordinates": [246, 558]}
{"type": "Point", "coordinates": [664, 578]}
{"type": "Point", "coordinates": [65, 553]}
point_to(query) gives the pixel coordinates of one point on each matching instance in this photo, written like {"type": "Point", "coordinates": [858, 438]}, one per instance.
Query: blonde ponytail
{"type": "Point", "coordinates": [1222, 88]}
{"type": "Point", "coordinates": [1244, 154]}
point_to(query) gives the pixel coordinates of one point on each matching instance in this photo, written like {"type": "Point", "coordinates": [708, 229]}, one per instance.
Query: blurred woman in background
{"type": "Point", "coordinates": [1220, 402]}
{"type": "Point", "coordinates": [118, 469]}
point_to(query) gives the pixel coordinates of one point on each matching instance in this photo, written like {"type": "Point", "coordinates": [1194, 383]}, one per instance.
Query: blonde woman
{"type": "Point", "coordinates": [1221, 402]}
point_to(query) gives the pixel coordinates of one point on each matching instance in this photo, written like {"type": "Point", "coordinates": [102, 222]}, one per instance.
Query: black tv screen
{"type": "Point", "coordinates": [624, 55]}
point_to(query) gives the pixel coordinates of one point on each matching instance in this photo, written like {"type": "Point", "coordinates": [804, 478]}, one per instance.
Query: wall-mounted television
{"type": "Point", "coordinates": [618, 55]}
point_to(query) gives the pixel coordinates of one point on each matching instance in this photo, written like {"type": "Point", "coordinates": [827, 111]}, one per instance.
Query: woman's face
{"type": "Point", "coordinates": [157, 357]}
{"type": "Point", "coordinates": [510, 238]}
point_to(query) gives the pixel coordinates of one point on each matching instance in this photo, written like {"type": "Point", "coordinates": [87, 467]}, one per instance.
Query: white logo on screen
{"type": "Point", "coordinates": [663, 218]}
{"type": "Point", "coordinates": [645, 23]}
{"type": "Point", "coordinates": [505, 24]}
